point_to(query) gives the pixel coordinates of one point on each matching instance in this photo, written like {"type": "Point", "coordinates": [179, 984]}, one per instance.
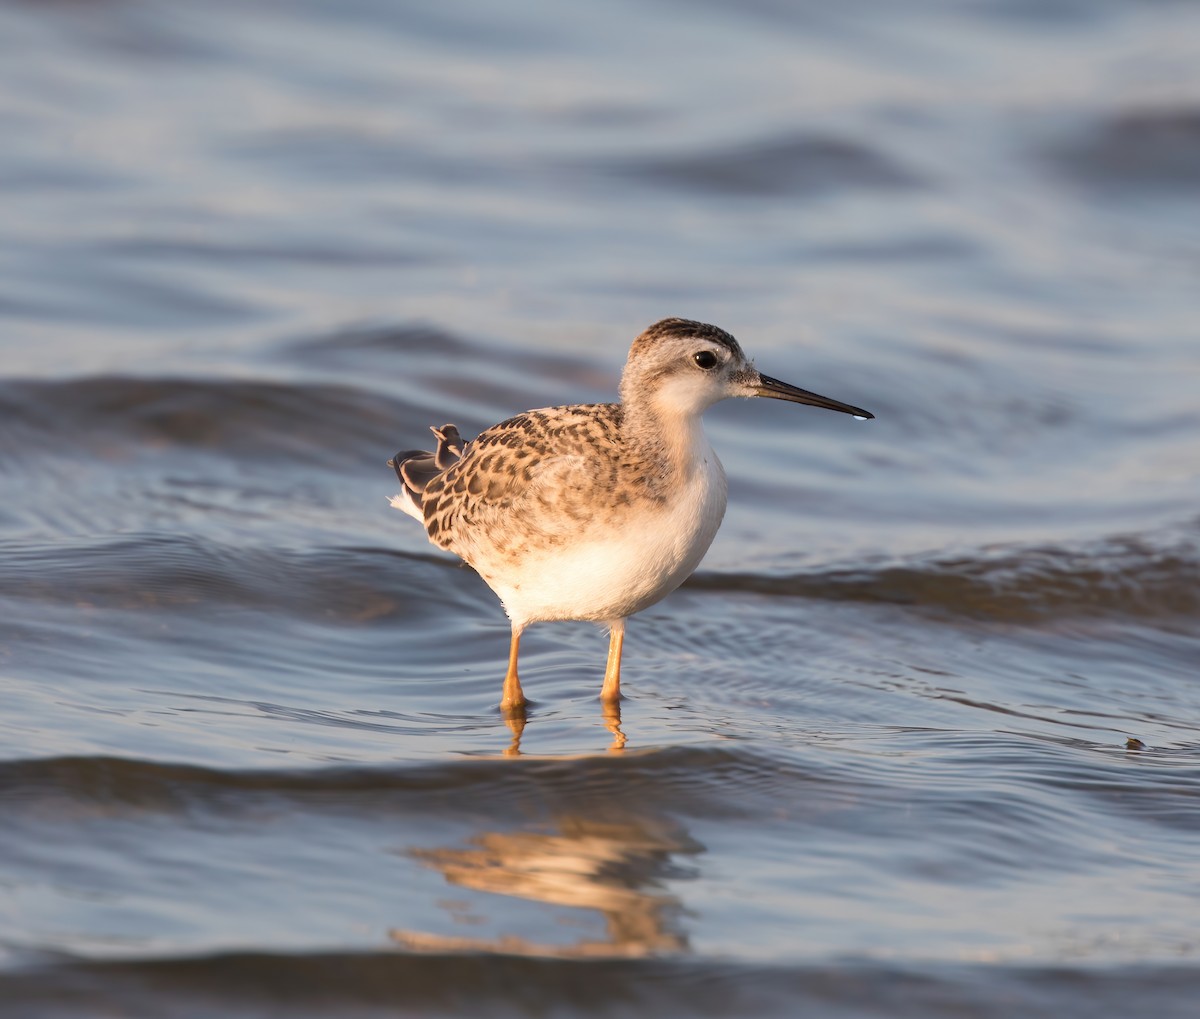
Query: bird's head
{"type": "Point", "coordinates": [681, 367]}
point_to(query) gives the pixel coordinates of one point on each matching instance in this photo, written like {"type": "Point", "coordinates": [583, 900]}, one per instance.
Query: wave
{"type": "Point", "coordinates": [700, 780]}
{"type": "Point", "coordinates": [351, 397]}
{"type": "Point", "coordinates": [98, 417]}
{"type": "Point", "coordinates": [348, 984]}
{"type": "Point", "coordinates": [801, 164]}
{"type": "Point", "coordinates": [1134, 577]}
{"type": "Point", "coordinates": [1154, 149]}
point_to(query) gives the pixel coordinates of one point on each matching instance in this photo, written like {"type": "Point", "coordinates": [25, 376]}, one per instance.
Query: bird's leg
{"type": "Point", "coordinates": [513, 698]}
{"type": "Point", "coordinates": [610, 693]}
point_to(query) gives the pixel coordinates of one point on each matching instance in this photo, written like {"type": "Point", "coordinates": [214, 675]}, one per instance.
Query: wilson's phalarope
{"type": "Point", "coordinates": [593, 511]}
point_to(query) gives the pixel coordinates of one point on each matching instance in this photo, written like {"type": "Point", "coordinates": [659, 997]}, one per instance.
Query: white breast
{"type": "Point", "coordinates": [626, 561]}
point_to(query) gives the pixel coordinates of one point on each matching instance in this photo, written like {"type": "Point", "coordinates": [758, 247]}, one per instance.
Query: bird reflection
{"type": "Point", "coordinates": [515, 719]}
{"type": "Point", "coordinates": [613, 866]}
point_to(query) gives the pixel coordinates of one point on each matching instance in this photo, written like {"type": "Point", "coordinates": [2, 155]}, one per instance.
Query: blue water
{"type": "Point", "coordinates": [921, 737]}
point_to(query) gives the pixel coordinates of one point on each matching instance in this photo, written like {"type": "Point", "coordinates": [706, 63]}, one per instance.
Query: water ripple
{"type": "Point", "coordinates": [1143, 577]}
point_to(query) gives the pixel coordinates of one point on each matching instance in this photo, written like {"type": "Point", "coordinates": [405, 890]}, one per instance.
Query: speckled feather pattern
{"type": "Point", "coordinates": [535, 480]}
{"type": "Point", "coordinates": [531, 481]}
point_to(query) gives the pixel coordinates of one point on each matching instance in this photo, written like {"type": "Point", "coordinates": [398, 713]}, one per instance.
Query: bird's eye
{"type": "Point", "coordinates": [705, 359]}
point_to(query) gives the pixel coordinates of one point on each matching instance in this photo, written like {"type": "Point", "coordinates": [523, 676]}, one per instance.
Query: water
{"type": "Point", "coordinates": [879, 756]}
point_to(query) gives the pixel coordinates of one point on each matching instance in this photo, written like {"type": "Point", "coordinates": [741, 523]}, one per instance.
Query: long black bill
{"type": "Point", "coordinates": [777, 390]}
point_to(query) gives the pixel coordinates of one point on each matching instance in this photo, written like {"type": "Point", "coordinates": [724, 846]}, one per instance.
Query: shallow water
{"type": "Point", "coordinates": [922, 737]}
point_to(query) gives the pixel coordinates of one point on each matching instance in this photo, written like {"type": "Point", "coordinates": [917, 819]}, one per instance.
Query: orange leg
{"type": "Point", "coordinates": [610, 693]}
{"type": "Point", "coordinates": [513, 698]}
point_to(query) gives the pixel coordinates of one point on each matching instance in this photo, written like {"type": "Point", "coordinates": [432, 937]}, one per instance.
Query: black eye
{"type": "Point", "coordinates": [705, 359]}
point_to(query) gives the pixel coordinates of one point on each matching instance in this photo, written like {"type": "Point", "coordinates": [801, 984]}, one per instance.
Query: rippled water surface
{"type": "Point", "coordinates": [921, 738]}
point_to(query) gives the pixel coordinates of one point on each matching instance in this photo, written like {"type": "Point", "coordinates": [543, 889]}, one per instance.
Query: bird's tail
{"type": "Point", "coordinates": [417, 467]}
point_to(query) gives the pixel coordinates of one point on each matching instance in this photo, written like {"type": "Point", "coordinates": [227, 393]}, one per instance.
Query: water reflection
{"type": "Point", "coordinates": [616, 867]}
{"type": "Point", "coordinates": [515, 719]}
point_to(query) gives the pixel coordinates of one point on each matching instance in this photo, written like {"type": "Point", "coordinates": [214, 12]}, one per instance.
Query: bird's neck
{"type": "Point", "coordinates": [667, 436]}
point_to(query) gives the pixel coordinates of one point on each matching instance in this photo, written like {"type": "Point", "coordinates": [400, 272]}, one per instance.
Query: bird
{"type": "Point", "coordinates": [593, 511]}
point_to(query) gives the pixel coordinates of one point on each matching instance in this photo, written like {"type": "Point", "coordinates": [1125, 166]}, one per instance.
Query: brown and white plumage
{"type": "Point", "coordinates": [593, 511]}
